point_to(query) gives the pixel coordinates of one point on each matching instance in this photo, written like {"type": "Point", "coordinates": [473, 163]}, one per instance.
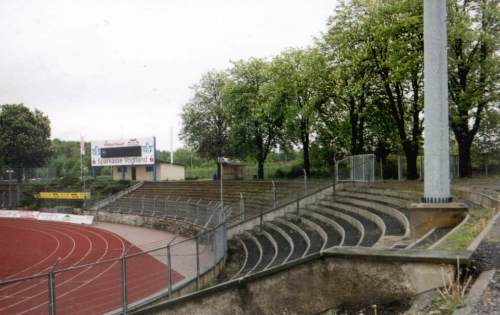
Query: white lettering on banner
{"type": "Point", "coordinates": [46, 216]}
{"type": "Point", "coordinates": [148, 149]}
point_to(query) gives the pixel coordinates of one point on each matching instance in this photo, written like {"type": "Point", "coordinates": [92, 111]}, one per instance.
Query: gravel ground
{"type": "Point", "coordinates": [487, 257]}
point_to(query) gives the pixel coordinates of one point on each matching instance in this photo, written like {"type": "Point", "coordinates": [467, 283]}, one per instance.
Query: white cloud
{"type": "Point", "coordinates": [113, 68]}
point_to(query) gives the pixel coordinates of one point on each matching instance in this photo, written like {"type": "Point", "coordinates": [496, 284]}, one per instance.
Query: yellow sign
{"type": "Point", "coordinates": [62, 195]}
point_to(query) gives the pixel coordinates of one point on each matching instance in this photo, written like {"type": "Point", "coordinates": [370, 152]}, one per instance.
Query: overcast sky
{"type": "Point", "coordinates": [122, 68]}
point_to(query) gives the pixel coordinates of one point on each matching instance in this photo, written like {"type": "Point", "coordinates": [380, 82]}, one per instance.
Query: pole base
{"type": "Point", "coordinates": [437, 199]}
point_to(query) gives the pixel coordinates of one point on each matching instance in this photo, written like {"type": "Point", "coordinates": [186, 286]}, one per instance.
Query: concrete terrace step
{"type": "Point", "coordinates": [300, 240]}
{"type": "Point", "coordinates": [317, 240]}
{"type": "Point", "coordinates": [333, 232]}
{"type": "Point", "coordinates": [430, 238]}
{"type": "Point", "coordinates": [396, 222]}
{"type": "Point", "coordinates": [254, 253]}
{"type": "Point", "coordinates": [374, 227]}
{"type": "Point", "coordinates": [268, 251]}
{"type": "Point", "coordinates": [354, 229]}
{"type": "Point", "coordinates": [283, 241]}
{"type": "Point", "coordinates": [377, 196]}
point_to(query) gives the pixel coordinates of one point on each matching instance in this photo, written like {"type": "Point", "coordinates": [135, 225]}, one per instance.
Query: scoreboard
{"type": "Point", "coordinates": [133, 151]}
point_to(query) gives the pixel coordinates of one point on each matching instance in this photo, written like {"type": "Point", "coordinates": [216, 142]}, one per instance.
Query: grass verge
{"type": "Point", "coordinates": [461, 238]}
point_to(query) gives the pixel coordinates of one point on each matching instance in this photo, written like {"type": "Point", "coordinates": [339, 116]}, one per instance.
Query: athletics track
{"type": "Point", "coordinates": [29, 248]}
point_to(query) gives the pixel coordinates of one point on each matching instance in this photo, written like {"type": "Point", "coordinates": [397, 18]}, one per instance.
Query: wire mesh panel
{"type": "Point", "coordinates": [89, 290]}
{"type": "Point", "coordinates": [27, 295]}
{"type": "Point", "coordinates": [357, 168]}
{"type": "Point", "coordinates": [146, 274]}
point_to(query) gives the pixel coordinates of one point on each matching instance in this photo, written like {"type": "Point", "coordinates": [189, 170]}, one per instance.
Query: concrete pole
{"type": "Point", "coordinates": [436, 132]}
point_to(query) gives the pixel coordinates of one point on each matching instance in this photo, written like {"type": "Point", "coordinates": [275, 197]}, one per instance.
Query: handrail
{"type": "Point", "coordinates": [279, 206]}
{"type": "Point", "coordinates": [106, 201]}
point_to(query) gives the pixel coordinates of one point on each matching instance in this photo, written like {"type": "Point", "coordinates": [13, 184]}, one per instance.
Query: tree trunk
{"type": "Point", "coordinates": [464, 161]}
{"type": "Point", "coordinates": [305, 146]}
{"type": "Point", "coordinates": [307, 163]}
{"type": "Point", "coordinates": [260, 172]}
{"type": "Point", "coordinates": [411, 155]}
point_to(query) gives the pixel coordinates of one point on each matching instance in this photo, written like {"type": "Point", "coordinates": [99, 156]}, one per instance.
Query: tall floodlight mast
{"type": "Point", "coordinates": [436, 132]}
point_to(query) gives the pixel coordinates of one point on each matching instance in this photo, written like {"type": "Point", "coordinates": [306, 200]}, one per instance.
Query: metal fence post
{"type": "Point", "coordinates": [52, 288]}
{"type": "Point", "coordinates": [381, 169]}
{"type": "Point", "coordinates": [197, 263]}
{"type": "Point", "coordinates": [305, 182]}
{"type": "Point", "coordinates": [169, 266]}
{"type": "Point", "coordinates": [274, 193]}
{"type": "Point", "coordinates": [400, 175]}
{"type": "Point", "coordinates": [261, 218]}
{"type": "Point", "coordinates": [124, 284]}
{"type": "Point", "coordinates": [242, 207]}
{"type": "Point", "coordinates": [298, 207]}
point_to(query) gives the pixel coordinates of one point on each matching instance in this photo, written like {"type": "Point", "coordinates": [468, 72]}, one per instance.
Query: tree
{"type": "Point", "coordinates": [301, 83]}
{"type": "Point", "coordinates": [487, 142]}
{"type": "Point", "coordinates": [24, 137]}
{"type": "Point", "coordinates": [256, 115]}
{"type": "Point", "coordinates": [474, 69]}
{"type": "Point", "coordinates": [378, 49]}
{"type": "Point", "coordinates": [204, 119]}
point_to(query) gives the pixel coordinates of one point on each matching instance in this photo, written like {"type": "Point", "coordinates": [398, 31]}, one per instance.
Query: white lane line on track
{"type": "Point", "coordinates": [34, 265]}
{"type": "Point", "coordinates": [47, 268]}
{"type": "Point", "coordinates": [75, 230]}
{"type": "Point", "coordinates": [34, 285]}
{"type": "Point", "coordinates": [89, 281]}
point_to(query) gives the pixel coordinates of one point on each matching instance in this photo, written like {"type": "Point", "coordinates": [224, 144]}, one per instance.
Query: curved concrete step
{"type": "Point", "coordinates": [354, 229]}
{"type": "Point", "coordinates": [382, 198]}
{"type": "Point", "coordinates": [335, 234]}
{"type": "Point", "coordinates": [254, 253]}
{"type": "Point", "coordinates": [284, 241]}
{"type": "Point", "coordinates": [244, 263]}
{"type": "Point", "coordinates": [301, 242]}
{"type": "Point", "coordinates": [411, 196]}
{"type": "Point", "coordinates": [316, 234]}
{"type": "Point", "coordinates": [374, 226]}
{"type": "Point", "coordinates": [430, 238]}
{"type": "Point", "coordinates": [395, 221]}
{"type": "Point", "coordinates": [268, 251]}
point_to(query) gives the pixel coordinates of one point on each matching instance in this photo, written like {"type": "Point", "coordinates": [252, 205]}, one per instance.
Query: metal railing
{"type": "Point", "coordinates": [359, 168]}
{"type": "Point", "coordinates": [122, 279]}
{"type": "Point", "coordinates": [106, 201]}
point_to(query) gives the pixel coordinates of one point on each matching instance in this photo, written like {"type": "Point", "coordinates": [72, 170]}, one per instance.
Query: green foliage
{"type": "Point", "coordinates": [256, 114]}
{"type": "Point", "coordinates": [24, 137]}
{"type": "Point", "coordinates": [473, 68]}
{"type": "Point", "coordinates": [204, 117]}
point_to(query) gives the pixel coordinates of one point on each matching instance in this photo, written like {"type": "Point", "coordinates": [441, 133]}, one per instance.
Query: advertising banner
{"type": "Point", "coordinates": [63, 217]}
{"type": "Point", "coordinates": [47, 216]}
{"type": "Point", "coordinates": [134, 151]}
{"type": "Point", "coordinates": [19, 214]}
{"type": "Point", "coordinates": [62, 195]}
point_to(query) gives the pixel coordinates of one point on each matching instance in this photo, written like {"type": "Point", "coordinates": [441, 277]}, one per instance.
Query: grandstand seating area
{"type": "Point", "coordinates": [194, 201]}
{"type": "Point", "coordinates": [354, 216]}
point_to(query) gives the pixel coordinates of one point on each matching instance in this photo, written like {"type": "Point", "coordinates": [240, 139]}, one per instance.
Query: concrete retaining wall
{"type": "Point", "coordinates": [326, 280]}
{"type": "Point", "coordinates": [173, 226]}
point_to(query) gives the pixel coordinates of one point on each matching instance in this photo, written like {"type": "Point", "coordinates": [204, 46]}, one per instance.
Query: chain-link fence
{"type": "Point", "coordinates": [120, 279]}
{"type": "Point", "coordinates": [27, 174]}
{"type": "Point", "coordinates": [359, 168]}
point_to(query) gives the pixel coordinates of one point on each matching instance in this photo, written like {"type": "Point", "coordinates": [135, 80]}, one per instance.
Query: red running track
{"type": "Point", "coordinates": [29, 247]}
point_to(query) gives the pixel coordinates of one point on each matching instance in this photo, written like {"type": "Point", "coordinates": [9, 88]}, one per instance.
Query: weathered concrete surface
{"type": "Point", "coordinates": [425, 216]}
{"type": "Point", "coordinates": [172, 226]}
{"type": "Point", "coordinates": [341, 276]}
{"type": "Point", "coordinates": [436, 132]}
